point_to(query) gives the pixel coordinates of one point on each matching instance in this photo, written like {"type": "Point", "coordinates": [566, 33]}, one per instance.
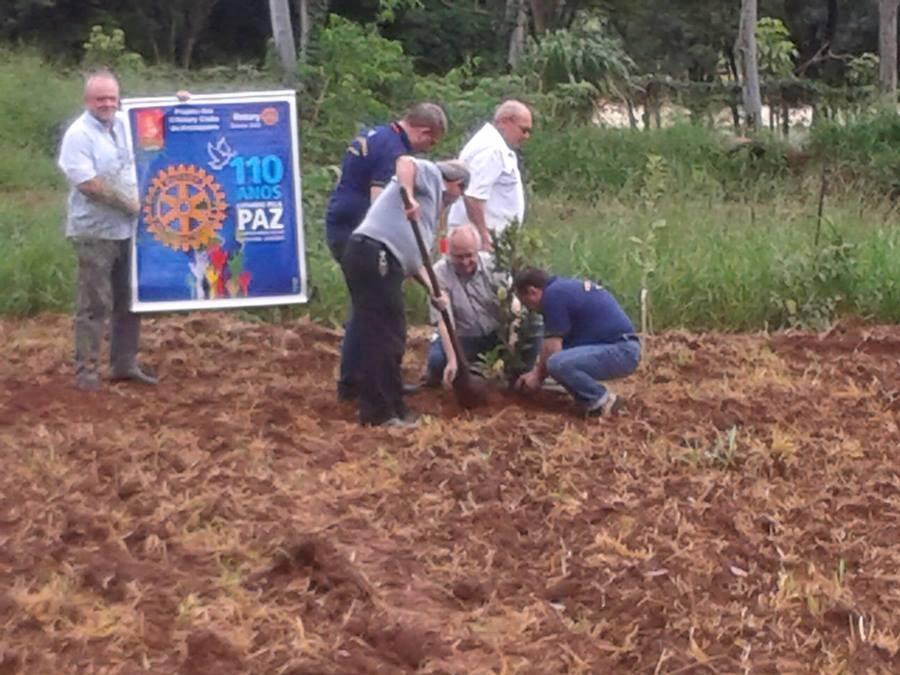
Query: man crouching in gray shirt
{"type": "Point", "coordinates": [380, 254]}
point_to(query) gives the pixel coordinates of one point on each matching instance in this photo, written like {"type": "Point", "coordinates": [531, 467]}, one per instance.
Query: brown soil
{"type": "Point", "coordinates": [742, 515]}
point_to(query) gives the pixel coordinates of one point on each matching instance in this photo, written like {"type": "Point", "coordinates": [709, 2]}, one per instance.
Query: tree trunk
{"type": "Point", "coordinates": [632, 118]}
{"type": "Point", "coordinates": [519, 13]}
{"type": "Point", "coordinates": [732, 64]}
{"type": "Point", "coordinates": [187, 50]}
{"type": "Point", "coordinates": [746, 47]}
{"type": "Point", "coordinates": [196, 19]}
{"type": "Point", "coordinates": [283, 34]}
{"type": "Point", "coordinates": [887, 48]}
{"type": "Point", "coordinates": [173, 39]}
{"type": "Point", "coordinates": [831, 22]}
{"type": "Point", "coordinates": [305, 26]}
{"type": "Point", "coordinates": [539, 16]}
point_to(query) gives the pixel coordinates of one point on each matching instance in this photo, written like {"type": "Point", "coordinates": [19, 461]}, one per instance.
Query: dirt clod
{"type": "Point", "coordinates": [209, 654]}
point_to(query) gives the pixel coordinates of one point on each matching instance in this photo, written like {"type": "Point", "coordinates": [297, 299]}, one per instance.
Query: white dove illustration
{"type": "Point", "coordinates": [220, 154]}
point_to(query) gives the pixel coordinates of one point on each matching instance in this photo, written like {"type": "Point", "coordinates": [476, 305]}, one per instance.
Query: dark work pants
{"type": "Point", "coordinates": [375, 280]}
{"type": "Point", "coordinates": [104, 292]}
{"type": "Point", "coordinates": [351, 361]}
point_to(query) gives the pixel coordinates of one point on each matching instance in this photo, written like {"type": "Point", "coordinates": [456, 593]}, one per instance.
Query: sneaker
{"type": "Point", "coordinates": [133, 374]}
{"type": "Point", "coordinates": [408, 421]}
{"type": "Point", "coordinates": [606, 406]}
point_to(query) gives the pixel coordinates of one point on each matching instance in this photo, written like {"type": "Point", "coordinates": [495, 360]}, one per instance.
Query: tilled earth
{"type": "Point", "coordinates": [741, 515]}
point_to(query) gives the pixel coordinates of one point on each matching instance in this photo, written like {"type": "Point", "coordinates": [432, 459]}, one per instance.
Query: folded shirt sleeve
{"type": "Point", "coordinates": [75, 158]}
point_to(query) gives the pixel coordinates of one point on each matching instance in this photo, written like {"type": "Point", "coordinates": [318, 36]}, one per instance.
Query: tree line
{"type": "Point", "coordinates": [689, 39]}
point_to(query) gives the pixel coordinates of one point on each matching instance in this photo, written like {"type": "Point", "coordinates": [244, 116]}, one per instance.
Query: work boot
{"type": "Point", "coordinates": [133, 374]}
{"type": "Point", "coordinates": [606, 406]}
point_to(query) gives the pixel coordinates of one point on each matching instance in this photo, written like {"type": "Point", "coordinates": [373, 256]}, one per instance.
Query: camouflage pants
{"type": "Point", "coordinates": [103, 291]}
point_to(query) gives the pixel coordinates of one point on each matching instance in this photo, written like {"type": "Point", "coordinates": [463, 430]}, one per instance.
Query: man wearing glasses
{"type": "Point", "coordinates": [496, 195]}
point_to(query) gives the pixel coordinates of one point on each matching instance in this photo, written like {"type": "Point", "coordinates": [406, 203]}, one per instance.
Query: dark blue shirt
{"type": "Point", "coordinates": [369, 161]}
{"type": "Point", "coordinates": [582, 313]}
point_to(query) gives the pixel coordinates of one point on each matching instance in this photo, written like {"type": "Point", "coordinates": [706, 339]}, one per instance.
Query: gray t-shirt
{"type": "Point", "coordinates": [386, 220]}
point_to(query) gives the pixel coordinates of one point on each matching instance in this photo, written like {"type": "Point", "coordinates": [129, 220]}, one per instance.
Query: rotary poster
{"type": "Point", "coordinates": [219, 186]}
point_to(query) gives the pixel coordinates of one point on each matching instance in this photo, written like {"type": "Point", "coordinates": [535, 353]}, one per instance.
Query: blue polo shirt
{"type": "Point", "coordinates": [369, 161]}
{"type": "Point", "coordinates": [582, 313]}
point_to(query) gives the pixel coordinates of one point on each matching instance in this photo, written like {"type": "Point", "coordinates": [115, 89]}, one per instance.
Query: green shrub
{"type": "Point", "coordinates": [592, 162]}
{"type": "Point", "coordinates": [107, 50]}
{"type": "Point", "coordinates": [354, 78]}
{"type": "Point", "coordinates": [36, 100]}
{"type": "Point", "coordinates": [864, 148]}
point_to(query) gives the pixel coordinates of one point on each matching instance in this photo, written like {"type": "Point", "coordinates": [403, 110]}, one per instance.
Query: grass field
{"type": "Point", "coordinates": [718, 264]}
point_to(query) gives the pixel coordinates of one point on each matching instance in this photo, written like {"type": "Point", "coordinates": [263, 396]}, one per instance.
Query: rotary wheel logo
{"type": "Point", "coordinates": [184, 207]}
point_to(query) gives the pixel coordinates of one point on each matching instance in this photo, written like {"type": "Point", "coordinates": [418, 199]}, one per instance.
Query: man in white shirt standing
{"type": "Point", "coordinates": [496, 194]}
{"type": "Point", "coordinates": [102, 210]}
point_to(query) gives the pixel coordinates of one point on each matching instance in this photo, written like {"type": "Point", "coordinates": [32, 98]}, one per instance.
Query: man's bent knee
{"type": "Point", "coordinates": [556, 366]}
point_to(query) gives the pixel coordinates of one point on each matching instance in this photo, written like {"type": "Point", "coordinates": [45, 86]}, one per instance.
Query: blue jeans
{"type": "Point", "coordinates": [578, 368]}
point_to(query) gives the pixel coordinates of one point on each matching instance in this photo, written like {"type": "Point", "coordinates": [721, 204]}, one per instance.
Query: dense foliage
{"type": "Point", "coordinates": [689, 39]}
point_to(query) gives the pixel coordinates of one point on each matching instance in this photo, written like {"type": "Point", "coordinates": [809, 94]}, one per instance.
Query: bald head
{"type": "Point", "coordinates": [101, 96]}
{"type": "Point", "coordinates": [510, 109]}
{"type": "Point", "coordinates": [513, 120]}
{"type": "Point", "coordinates": [464, 242]}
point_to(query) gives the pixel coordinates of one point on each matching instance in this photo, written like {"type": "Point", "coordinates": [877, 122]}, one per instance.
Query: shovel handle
{"type": "Point", "coordinates": [420, 242]}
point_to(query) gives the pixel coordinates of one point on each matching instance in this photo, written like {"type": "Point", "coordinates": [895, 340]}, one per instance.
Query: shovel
{"type": "Point", "coordinates": [469, 391]}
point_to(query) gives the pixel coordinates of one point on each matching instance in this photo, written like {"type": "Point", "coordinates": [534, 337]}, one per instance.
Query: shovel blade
{"type": "Point", "coordinates": [470, 392]}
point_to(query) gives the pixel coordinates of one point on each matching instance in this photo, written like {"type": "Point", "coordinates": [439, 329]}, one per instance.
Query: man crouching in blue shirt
{"type": "Point", "coordinates": [587, 337]}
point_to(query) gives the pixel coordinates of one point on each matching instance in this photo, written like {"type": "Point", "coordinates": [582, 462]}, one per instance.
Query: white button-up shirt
{"type": "Point", "coordinates": [495, 178]}
{"type": "Point", "coordinates": [90, 150]}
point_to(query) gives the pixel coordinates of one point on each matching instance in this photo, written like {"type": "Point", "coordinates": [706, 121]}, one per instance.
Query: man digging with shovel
{"type": "Point", "coordinates": [380, 254]}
